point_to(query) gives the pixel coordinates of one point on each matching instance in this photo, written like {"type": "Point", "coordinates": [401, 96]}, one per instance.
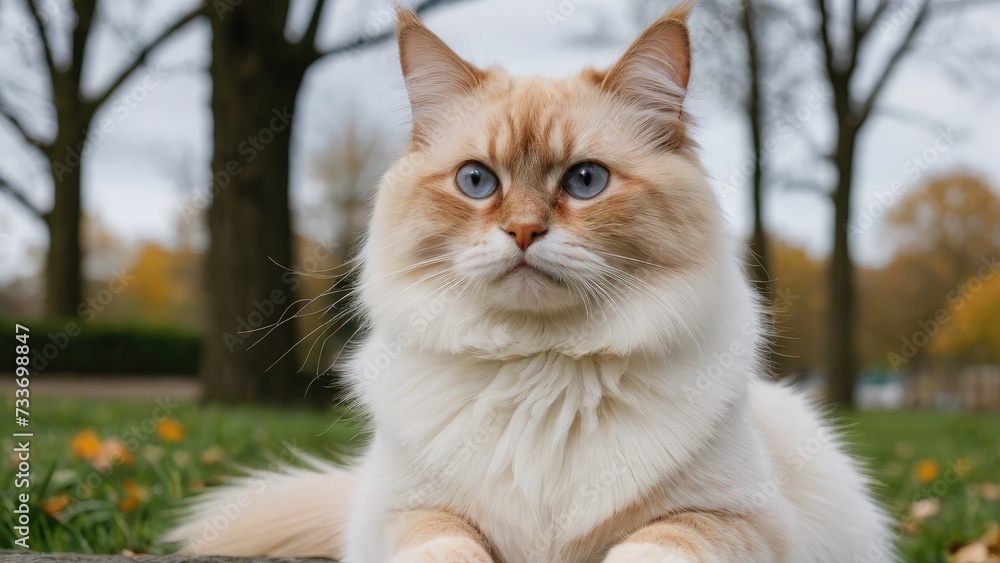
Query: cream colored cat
{"type": "Point", "coordinates": [564, 356]}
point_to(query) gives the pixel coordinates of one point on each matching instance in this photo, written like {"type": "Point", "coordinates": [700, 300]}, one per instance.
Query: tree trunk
{"type": "Point", "coordinates": [840, 358]}
{"type": "Point", "coordinates": [64, 261]}
{"type": "Point", "coordinates": [253, 99]}
{"type": "Point", "coordinates": [755, 113]}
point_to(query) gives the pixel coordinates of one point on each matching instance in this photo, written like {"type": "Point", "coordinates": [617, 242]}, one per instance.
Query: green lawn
{"type": "Point", "coordinates": [915, 456]}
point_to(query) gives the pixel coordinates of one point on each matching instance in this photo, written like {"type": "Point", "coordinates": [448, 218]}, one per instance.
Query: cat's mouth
{"type": "Point", "coordinates": [523, 269]}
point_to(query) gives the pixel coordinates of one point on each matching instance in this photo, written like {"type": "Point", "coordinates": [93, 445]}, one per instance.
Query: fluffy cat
{"type": "Point", "coordinates": [564, 357]}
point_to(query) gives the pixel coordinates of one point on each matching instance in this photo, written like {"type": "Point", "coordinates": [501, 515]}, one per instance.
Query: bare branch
{"type": "Point", "coordinates": [308, 40]}
{"type": "Point", "coordinates": [19, 197]}
{"type": "Point", "coordinates": [918, 24]}
{"type": "Point", "coordinates": [85, 10]}
{"type": "Point", "coordinates": [825, 41]}
{"type": "Point", "coordinates": [384, 36]}
{"type": "Point", "coordinates": [140, 58]}
{"type": "Point", "coordinates": [865, 26]}
{"type": "Point", "coordinates": [914, 118]}
{"type": "Point", "coordinates": [46, 49]}
{"type": "Point", "coordinates": [28, 137]}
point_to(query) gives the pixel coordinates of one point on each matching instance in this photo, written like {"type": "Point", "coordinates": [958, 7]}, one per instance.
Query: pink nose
{"type": "Point", "coordinates": [525, 233]}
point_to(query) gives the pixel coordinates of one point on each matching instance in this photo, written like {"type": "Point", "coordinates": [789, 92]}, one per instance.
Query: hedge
{"type": "Point", "coordinates": [73, 346]}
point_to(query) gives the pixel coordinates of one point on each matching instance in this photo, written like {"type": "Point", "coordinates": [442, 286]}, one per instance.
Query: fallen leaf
{"type": "Point", "coordinates": [924, 509]}
{"type": "Point", "coordinates": [992, 537]}
{"type": "Point", "coordinates": [989, 491]}
{"type": "Point", "coordinates": [972, 553]}
{"type": "Point", "coordinates": [927, 470]}
{"type": "Point", "coordinates": [212, 455]}
{"type": "Point", "coordinates": [113, 452]}
{"type": "Point", "coordinates": [984, 550]}
{"type": "Point", "coordinates": [170, 430]}
{"type": "Point", "coordinates": [85, 444]}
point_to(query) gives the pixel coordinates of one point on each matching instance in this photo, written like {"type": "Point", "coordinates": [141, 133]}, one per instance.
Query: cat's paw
{"type": "Point", "coordinates": [645, 553]}
{"type": "Point", "coordinates": [444, 550]}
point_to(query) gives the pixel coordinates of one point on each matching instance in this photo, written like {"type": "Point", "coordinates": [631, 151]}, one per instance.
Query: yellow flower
{"type": "Point", "coordinates": [134, 493]}
{"type": "Point", "coordinates": [85, 444]}
{"type": "Point", "coordinates": [55, 505]}
{"type": "Point", "coordinates": [927, 471]}
{"type": "Point", "coordinates": [170, 430]}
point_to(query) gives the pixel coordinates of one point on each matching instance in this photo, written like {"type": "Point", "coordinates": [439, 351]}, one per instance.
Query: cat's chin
{"type": "Point", "coordinates": [526, 287]}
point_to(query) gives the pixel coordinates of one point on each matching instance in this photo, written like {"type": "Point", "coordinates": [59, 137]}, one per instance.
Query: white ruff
{"type": "Point", "coordinates": [540, 448]}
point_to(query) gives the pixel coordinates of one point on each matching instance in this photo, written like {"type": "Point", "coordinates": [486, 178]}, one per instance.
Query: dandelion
{"type": "Point", "coordinates": [85, 444]}
{"type": "Point", "coordinates": [55, 505]}
{"type": "Point", "coordinates": [170, 430]}
{"type": "Point", "coordinates": [927, 471]}
{"type": "Point", "coordinates": [134, 493]}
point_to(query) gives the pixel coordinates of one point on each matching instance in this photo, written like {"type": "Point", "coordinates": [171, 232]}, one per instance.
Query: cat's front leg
{"type": "Point", "coordinates": [701, 537]}
{"type": "Point", "coordinates": [436, 536]}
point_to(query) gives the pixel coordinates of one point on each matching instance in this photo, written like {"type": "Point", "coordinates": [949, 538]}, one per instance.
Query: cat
{"type": "Point", "coordinates": [564, 358]}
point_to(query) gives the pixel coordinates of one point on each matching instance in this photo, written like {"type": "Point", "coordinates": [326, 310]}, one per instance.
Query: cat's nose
{"type": "Point", "coordinates": [525, 233]}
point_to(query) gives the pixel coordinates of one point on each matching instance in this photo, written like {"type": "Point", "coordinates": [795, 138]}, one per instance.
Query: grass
{"type": "Point", "coordinates": [914, 455]}
{"type": "Point", "coordinates": [128, 505]}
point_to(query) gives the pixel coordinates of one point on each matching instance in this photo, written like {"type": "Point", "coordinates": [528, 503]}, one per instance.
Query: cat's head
{"type": "Point", "coordinates": [526, 208]}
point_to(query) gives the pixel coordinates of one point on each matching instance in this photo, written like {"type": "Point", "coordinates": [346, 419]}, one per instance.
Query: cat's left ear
{"type": "Point", "coordinates": [655, 70]}
{"type": "Point", "coordinates": [433, 73]}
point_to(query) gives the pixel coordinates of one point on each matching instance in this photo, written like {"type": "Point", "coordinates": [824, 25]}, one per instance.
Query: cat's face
{"type": "Point", "coordinates": [532, 194]}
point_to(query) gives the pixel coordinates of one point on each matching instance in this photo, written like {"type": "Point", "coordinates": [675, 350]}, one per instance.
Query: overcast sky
{"type": "Point", "coordinates": [131, 180]}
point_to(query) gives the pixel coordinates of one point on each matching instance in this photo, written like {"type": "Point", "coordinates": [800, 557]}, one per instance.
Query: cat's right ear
{"type": "Point", "coordinates": [433, 73]}
{"type": "Point", "coordinates": [654, 71]}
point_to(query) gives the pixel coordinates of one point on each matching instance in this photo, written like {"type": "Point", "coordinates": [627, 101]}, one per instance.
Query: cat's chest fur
{"type": "Point", "coordinates": [540, 450]}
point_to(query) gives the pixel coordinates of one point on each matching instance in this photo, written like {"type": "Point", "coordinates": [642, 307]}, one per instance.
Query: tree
{"type": "Point", "coordinates": [799, 308]}
{"type": "Point", "coordinates": [257, 71]}
{"type": "Point", "coordinates": [74, 111]}
{"type": "Point", "coordinates": [972, 333]}
{"type": "Point", "coordinates": [741, 50]}
{"type": "Point", "coordinates": [845, 40]}
{"type": "Point", "coordinates": [947, 237]}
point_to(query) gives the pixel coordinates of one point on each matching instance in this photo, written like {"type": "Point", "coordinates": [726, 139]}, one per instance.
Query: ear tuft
{"type": "Point", "coordinates": [655, 69]}
{"type": "Point", "coordinates": [433, 73]}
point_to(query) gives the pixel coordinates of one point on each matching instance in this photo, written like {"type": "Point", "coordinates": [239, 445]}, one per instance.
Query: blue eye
{"type": "Point", "coordinates": [476, 180]}
{"type": "Point", "coordinates": [585, 180]}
